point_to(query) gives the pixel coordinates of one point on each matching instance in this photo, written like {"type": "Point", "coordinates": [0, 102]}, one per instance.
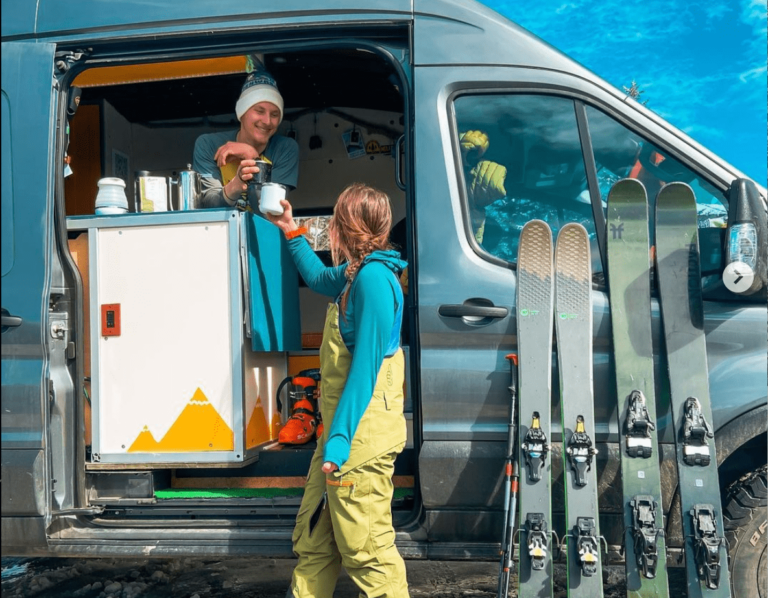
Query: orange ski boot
{"type": "Point", "coordinates": [300, 427]}
{"type": "Point", "coordinates": [320, 426]}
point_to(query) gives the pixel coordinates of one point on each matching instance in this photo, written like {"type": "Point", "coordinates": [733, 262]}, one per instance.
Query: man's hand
{"type": "Point", "coordinates": [473, 145]}
{"type": "Point", "coordinates": [329, 467]}
{"type": "Point", "coordinates": [234, 150]}
{"type": "Point", "coordinates": [487, 183]}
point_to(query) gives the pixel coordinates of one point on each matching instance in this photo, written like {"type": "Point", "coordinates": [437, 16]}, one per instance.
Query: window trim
{"type": "Point", "coordinates": [581, 101]}
{"type": "Point", "coordinates": [590, 167]}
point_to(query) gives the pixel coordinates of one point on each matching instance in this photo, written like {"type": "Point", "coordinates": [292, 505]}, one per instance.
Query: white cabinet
{"type": "Point", "coordinates": [174, 380]}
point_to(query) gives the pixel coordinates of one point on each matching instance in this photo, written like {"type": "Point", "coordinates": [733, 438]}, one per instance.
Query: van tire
{"type": "Point", "coordinates": [745, 520]}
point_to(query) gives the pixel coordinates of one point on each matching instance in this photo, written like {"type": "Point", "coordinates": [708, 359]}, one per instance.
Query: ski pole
{"type": "Point", "coordinates": [512, 477]}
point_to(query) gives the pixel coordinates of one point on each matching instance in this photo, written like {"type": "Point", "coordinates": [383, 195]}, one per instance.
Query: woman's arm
{"type": "Point", "coordinates": [320, 278]}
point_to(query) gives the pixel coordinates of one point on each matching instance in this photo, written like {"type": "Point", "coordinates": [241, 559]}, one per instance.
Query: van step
{"type": "Point", "coordinates": [187, 493]}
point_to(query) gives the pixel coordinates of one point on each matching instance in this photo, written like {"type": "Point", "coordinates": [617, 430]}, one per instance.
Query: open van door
{"type": "Point", "coordinates": [28, 93]}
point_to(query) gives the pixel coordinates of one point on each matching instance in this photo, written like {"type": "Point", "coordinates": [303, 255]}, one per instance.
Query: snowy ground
{"type": "Point", "coordinates": [252, 578]}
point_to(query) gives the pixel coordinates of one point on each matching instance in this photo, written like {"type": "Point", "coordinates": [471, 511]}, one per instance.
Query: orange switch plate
{"type": "Point", "coordinates": [110, 319]}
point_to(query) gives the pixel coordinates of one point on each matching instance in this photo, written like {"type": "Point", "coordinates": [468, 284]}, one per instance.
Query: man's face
{"type": "Point", "coordinates": [260, 122]}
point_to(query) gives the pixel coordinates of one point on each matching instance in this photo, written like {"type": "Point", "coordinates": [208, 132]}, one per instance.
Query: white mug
{"type": "Point", "coordinates": [111, 197]}
{"type": "Point", "coordinates": [271, 194]}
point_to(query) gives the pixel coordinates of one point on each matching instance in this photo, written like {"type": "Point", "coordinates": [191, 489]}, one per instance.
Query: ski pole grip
{"type": "Point", "coordinates": [512, 357]}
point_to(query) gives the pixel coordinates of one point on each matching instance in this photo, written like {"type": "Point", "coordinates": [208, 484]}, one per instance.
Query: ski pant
{"type": "Point", "coordinates": [347, 521]}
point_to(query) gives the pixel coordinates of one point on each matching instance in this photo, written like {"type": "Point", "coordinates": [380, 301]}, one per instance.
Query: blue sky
{"type": "Point", "coordinates": [702, 66]}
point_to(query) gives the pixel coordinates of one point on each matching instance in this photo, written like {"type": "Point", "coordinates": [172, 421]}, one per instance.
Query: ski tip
{"type": "Point", "coordinates": [512, 357]}
{"type": "Point", "coordinates": [624, 185]}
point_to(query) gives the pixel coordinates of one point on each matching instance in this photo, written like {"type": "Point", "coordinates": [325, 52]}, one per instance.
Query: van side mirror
{"type": "Point", "coordinates": [746, 243]}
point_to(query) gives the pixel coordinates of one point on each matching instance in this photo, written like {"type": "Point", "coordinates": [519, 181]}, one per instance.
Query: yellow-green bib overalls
{"type": "Point", "coordinates": [345, 517]}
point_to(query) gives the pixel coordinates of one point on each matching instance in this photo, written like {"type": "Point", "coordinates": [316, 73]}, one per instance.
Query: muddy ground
{"type": "Point", "coordinates": [253, 578]}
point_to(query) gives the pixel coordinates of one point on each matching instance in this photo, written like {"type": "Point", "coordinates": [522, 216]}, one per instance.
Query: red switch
{"type": "Point", "coordinates": [110, 319]}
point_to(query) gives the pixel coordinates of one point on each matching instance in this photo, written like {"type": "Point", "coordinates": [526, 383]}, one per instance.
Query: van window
{"type": "Point", "coordinates": [521, 159]}
{"type": "Point", "coordinates": [620, 153]}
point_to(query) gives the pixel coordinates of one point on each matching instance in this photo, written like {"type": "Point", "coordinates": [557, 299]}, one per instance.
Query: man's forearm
{"type": "Point", "coordinates": [213, 194]}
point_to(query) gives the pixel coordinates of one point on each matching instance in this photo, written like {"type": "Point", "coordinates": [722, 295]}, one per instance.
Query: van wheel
{"type": "Point", "coordinates": [746, 524]}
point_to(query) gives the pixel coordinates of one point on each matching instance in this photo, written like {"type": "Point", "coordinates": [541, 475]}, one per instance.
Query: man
{"type": "Point", "coordinates": [226, 161]}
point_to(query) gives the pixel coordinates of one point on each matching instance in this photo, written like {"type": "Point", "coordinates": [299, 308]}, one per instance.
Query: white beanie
{"type": "Point", "coordinates": [259, 86]}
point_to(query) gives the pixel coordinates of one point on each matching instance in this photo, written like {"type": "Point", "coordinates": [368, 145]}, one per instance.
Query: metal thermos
{"type": "Point", "coordinates": [189, 189]}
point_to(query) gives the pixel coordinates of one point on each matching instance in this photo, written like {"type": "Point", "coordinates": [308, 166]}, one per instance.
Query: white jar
{"type": "Point", "coordinates": [111, 198]}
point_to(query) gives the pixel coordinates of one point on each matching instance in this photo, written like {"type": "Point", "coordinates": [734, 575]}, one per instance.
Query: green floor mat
{"type": "Point", "coordinates": [177, 493]}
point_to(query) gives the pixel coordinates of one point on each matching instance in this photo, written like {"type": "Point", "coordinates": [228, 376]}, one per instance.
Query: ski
{"type": "Point", "coordinates": [679, 274]}
{"type": "Point", "coordinates": [573, 322]}
{"type": "Point", "coordinates": [629, 285]}
{"type": "Point", "coordinates": [534, 344]}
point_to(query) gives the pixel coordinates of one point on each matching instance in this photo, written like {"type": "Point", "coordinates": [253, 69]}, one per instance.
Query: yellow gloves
{"type": "Point", "coordinates": [486, 183]}
{"type": "Point", "coordinates": [473, 144]}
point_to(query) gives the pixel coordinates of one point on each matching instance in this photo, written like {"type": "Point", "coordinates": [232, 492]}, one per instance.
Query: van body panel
{"type": "Point", "coordinates": [24, 476]}
{"type": "Point", "coordinates": [435, 52]}
{"type": "Point", "coordinates": [24, 536]}
{"type": "Point", "coordinates": [135, 17]}
{"type": "Point", "coordinates": [27, 96]}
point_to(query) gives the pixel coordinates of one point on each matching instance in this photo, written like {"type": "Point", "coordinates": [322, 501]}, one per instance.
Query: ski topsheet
{"type": "Point", "coordinates": [535, 280]}
{"type": "Point", "coordinates": [630, 294]}
{"type": "Point", "coordinates": [573, 321]}
{"type": "Point", "coordinates": [679, 275]}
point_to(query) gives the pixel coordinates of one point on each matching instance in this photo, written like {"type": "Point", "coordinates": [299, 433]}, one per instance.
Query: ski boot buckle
{"type": "Point", "coordinates": [645, 534]}
{"type": "Point", "coordinates": [536, 528]}
{"type": "Point", "coordinates": [706, 544]}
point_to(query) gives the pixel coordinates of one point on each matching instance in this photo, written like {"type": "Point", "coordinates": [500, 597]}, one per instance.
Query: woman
{"type": "Point", "coordinates": [345, 516]}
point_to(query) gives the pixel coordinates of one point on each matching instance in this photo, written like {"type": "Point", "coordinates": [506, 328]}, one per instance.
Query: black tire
{"type": "Point", "coordinates": [745, 518]}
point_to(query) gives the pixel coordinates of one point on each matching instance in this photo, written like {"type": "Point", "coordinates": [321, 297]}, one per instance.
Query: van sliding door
{"type": "Point", "coordinates": [27, 243]}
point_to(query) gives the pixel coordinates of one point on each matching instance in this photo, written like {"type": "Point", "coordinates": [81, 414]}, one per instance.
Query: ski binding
{"type": "Point", "coordinates": [638, 426]}
{"type": "Point", "coordinates": [706, 544]}
{"type": "Point", "coordinates": [696, 430]}
{"type": "Point", "coordinates": [586, 545]}
{"type": "Point", "coordinates": [536, 528]}
{"type": "Point", "coordinates": [535, 449]}
{"type": "Point", "coordinates": [645, 534]}
{"type": "Point", "coordinates": [580, 452]}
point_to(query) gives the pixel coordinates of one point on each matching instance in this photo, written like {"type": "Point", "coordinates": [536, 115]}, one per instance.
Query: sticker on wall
{"type": "Point", "coordinates": [353, 141]}
{"type": "Point", "coordinates": [374, 147]}
{"type": "Point", "coordinates": [199, 427]}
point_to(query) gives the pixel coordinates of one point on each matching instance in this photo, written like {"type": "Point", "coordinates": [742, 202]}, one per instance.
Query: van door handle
{"type": "Point", "coordinates": [398, 169]}
{"type": "Point", "coordinates": [473, 311]}
{"type": "Point", "coordinates": [8, 321]}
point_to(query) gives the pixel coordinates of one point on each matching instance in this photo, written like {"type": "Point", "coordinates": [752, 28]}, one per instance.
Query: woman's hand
{"type": "Point", "coordinates": [329, 467]}
{"type": "Point", "coordinates": [234, 150]}
{"type": "Point", "coordinates": [284, 221]}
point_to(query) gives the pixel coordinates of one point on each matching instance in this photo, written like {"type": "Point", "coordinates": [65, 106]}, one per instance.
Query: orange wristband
{"type": "Point", "coordinates": [302, 230]}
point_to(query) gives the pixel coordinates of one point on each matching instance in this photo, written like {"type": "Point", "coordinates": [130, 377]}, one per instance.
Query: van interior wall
{"type": "Point", "coordinates": [324, 171]}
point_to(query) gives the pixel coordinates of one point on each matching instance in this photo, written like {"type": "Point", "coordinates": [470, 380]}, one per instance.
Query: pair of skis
{"type": "Point", "coordinates": [560, 286]}
{"type": "Point", "coordinates": [679, 279]}
{"type": "Point", "coordinates": [565, 285]}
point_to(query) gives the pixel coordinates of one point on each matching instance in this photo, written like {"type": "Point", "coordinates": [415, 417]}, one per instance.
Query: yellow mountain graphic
{"type": "Point", "coordinates": [199, 427]}
{"type": "Point", "coordinates": [144, 443]}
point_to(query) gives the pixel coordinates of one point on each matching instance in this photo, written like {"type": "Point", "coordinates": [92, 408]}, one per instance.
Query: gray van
{"type": "Point", "coordinates": [142, 352]}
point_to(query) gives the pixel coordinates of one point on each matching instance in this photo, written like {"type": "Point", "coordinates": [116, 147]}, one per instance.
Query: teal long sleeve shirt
{"type": "Point", "coordinates": [370, 330]}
